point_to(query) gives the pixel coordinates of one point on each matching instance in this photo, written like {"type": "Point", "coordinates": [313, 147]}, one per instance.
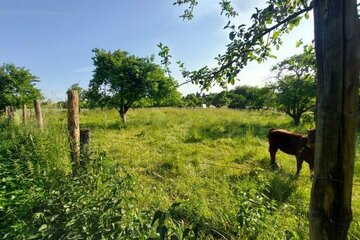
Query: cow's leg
{"type": "Point", "coordinates": [299, 162]}
{"type": "Point", "coordinates": [311, 166]}
{"type": "Point", "coordinates": [273, 150]}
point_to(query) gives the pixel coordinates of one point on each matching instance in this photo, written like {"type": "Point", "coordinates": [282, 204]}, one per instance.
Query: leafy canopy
{"type": "Point", "coordinates": [253, 43]}
{"type": "Point", "coordinates": [296, 83]}
{"type": "Point", "coordinates": [120, 79]}
{"type": "Point", "coordinates": [17, 86]}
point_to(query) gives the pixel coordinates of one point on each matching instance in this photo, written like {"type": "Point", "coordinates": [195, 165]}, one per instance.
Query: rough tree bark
{"type": "Point", "coordinates": [337, 51]}
{"type": "Point", "coordinates": [123, 116]}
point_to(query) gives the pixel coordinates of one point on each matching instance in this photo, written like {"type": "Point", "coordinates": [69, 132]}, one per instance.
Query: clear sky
{"type": "Point", "coordinates": [54, 39]}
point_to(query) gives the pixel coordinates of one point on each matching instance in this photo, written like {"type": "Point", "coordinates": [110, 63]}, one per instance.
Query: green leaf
{"type": "Point", "coordinates": [276, 34]}
{"type": "Point", "coordinates": [42, 228]}
{"type": "Point", "coordinates": [299, 43]}
{"type": "Point", "coordinates": [232, 35]}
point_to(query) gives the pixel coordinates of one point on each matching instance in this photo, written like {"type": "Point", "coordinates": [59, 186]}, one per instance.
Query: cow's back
{"type": "Point", "coordinates": [284, 140]}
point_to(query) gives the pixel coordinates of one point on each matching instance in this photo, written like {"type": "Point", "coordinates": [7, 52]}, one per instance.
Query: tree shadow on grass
{"type": "Point", "coordinates": [231, 129]}
{"type": "Point", "coordinates": [117, 125]}
{"type": "Point", "coordinates": [277, 184]}
{"type": "Point", "coordinates": [281, 186]}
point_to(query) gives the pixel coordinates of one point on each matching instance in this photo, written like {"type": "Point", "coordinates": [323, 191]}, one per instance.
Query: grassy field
{"type": "Point", "coordinates": [168, 172]}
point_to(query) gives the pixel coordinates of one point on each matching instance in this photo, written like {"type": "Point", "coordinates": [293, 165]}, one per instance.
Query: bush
{"type": "Point", "coordinates": [39, 200]}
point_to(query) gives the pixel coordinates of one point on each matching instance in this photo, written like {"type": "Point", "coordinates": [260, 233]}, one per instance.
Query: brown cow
{"type": "Point", "coordinates": [299, 145]}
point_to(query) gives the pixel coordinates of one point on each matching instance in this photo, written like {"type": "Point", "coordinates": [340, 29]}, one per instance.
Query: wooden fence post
{"type": "Point", "coordinates": [74, 126]}
{"type": "Point", "coordinates": [38, 113]}
{"type": "Point", "coordinates": [7, 112]}
{"type": "Point", "coordinates": [85, 139]}
{"type": "Point", "coordinates": [24, 114]}
{"type": "Point", "coordinates": [10, 112]}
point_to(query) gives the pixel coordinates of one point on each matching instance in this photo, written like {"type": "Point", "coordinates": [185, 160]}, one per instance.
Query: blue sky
{"type": "Point", "coordinates": [54, 39]}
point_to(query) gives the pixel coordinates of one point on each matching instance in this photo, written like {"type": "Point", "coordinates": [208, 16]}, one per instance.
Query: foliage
{"type": "Point", "coordinates": [237, 102]}
{"type": "Point", "coordinates": [255, 97]}
{"type": "Point", "coordinates": [165, 57]}
{"type": "Point", "coordinates": [253, 212]}
{"type": "Point", "coordinates": [296, 84]}
{"type": "Point", "coordinates": [17, 86]}
{"type": "Point", "coordinates": [218, 99]}
{"type": "Point", "coordinates": [247, 44]}
{"type": "Point", "coordinates": [192, 100]}
{"type": "Point", "coordinates": [169, 227]}
{"type": "Point", "coordinates": [40, 201]}
{"type": "Point", "coordinates": [121, 79]}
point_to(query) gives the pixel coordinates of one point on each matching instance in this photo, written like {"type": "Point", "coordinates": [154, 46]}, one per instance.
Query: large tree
{"type": "Point", "coordinates": [337, 36]}
{"type": "Point", "coordinates": [17, 86]}
{"type": "Point", "coordinates": [120, 79]}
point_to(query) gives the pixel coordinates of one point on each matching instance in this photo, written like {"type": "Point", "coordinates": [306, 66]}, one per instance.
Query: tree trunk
{"type": "Point", "coordinates": [297, 118]}
{"type": "Point", "coordinates": [123, 116]}
{"type": "Point", "coordinates": [337, 53]}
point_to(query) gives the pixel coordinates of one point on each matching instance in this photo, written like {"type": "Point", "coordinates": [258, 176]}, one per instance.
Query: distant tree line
{"type": "Point", "coordinates": [123, 81]}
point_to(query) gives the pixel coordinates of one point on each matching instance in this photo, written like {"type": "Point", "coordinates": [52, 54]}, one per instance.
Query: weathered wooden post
{"type": "Point", "coordinates": [10, 112]}
{"type": "Point", "coordinates": [38, 114]}
{"type": "Point", "coordinates": [7, 112]}
{"type": "Point", "coordinates": [337, 36]}
{"type": "Point", "coordinates": [24, 114]}
{"type": "Point", "coordinates": [74, 126]}
{"type": "Point", "coordinates": [85, 139]}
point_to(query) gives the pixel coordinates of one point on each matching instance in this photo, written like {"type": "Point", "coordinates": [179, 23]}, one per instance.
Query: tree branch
{"type": "Point", "coordinates": [267, 31]}
{"type": "Point", "coordinates": [186, 82]}
{"type": "Point", "coordinates": [292, 16]}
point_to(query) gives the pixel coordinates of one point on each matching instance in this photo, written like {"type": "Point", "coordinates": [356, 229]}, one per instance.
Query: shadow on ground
{"type": "Point", "coordinates": [231, 129]}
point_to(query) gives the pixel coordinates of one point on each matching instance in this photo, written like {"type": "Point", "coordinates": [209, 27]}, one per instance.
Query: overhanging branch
{"type": "Point", "coordinates": [267, 31]}
{"type": "Point", "coordinates": [186, 82]}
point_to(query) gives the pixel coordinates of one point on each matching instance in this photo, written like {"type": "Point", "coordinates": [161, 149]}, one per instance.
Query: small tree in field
{"type": "Point", "coordinates": [295, 96]}
{"type": "Point", "coordinates": [120, 79]}
{"type": "Point", "coordinates": [296, 85]}
{"type": "Point", "coordinates": [17, 86]}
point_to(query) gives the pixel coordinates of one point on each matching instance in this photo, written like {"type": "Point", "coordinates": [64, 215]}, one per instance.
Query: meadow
{"type": "Point", "coordinates": [166, 174]}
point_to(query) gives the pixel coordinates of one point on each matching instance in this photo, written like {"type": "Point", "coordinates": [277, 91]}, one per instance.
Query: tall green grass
{"type": "Point", "coordinates": [171, 173]}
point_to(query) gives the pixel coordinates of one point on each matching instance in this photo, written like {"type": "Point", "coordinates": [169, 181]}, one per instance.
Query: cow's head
{"type": "Point", "coordinates": [311, 139]}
